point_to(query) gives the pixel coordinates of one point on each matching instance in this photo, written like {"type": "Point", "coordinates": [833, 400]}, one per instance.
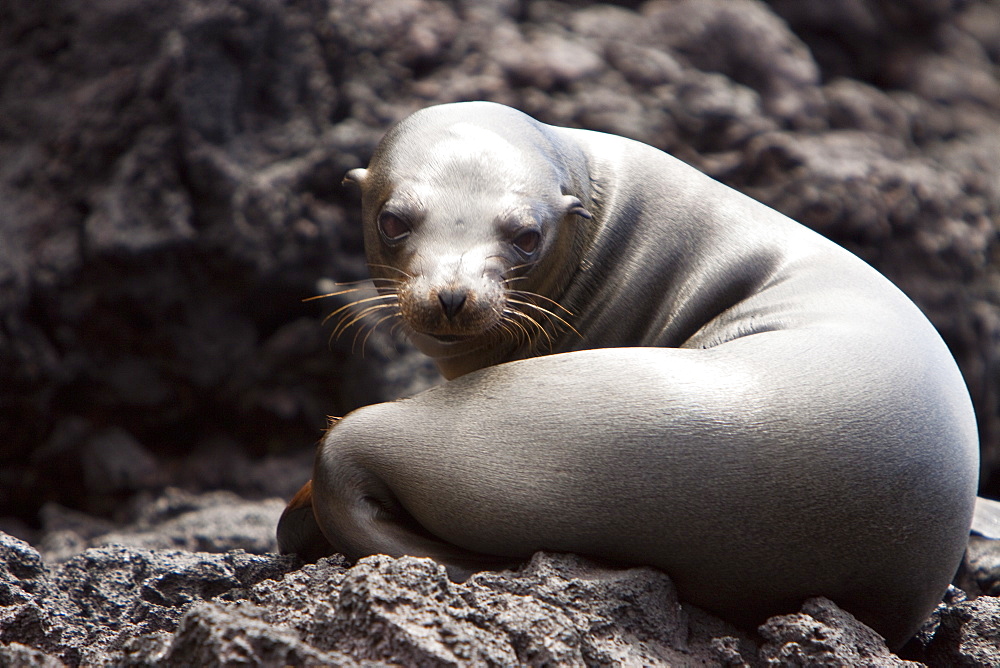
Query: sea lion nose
{"type": "Point", "coordinates": [452, 301]}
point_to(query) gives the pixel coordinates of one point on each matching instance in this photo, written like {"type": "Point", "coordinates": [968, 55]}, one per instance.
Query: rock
{"type": "Point", "coordinates": [30, 605]}
{"type": "Point", "coordinates": [16, 654]}
{"type": "Point", "coordinates": [557, 610]}
{"type": "Point", "coordinates": [980, 570]}
{"type": "Point", "coordinates": [211, 634]}
{"type": "Point", "coordinates": [140, 607]}
{"type": "Point", "coordinates": [822, 634]}
{"type": "Point", "coordinates": [114, 462]}
{"type": "Point", "coordinates": [213, 522]}
{"type": "Point", "coordinates": [745, 41]}
{"type": "Point", "coordinates": [84, 609]}
{"type": "Point", "coordinates": [968, 635]}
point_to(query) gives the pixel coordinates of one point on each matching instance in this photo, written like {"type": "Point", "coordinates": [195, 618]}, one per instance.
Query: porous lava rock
{"type": "Point", "coordinates": [151, 593]}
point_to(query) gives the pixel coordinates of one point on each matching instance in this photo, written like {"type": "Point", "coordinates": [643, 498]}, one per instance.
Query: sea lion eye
{"type": "Point", "coordinates": [527, 241]}
{"type": "Point", "coordinates": [392, 227]}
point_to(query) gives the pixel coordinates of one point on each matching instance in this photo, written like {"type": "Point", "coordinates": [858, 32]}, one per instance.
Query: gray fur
{"type": "Point", "coordinates": [743, 404]}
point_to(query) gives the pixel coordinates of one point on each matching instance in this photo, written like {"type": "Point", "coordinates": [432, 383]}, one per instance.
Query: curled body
{"type": "Point", "coordinates": [649, 367]}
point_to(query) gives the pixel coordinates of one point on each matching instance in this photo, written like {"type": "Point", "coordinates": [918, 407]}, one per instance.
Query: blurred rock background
{"type": "Point", "coordinates": [170, 193]}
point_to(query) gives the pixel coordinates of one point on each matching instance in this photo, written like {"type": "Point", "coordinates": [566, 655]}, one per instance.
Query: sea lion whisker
{"type": "Point", "coordinates": [502, 329]}
{"type": "Point", "coordinates": [331, 422]}
{"type": "Point", "coordinates": [386, 283]}
{"type": "Point", "coordinates": [548, 313]}
{"type": "Point", "coordinates": [343, 308]}
{"type": "Point", "coordinates": [534, 322]}
{"type": "Point", "coordinates": [360, 281]}
{"type": "Point", "coordinates": [329, 341]}
{"type": "Point", "coordinates": [508, 325]}
{"type": "Point", "coordinates": [534, 295]}
{"type": "Point", "coordinates": [497, 257]}
{"type": "Point", "coordinates": [523, 335]}
{"type": "Point", "coordinates": [344, 324]}
{"type": "Point", "coordinates": [348, 319]}
{"type": "Point", "coordinates": [347, 324]}
{"type": "Point", "coordinates": [518, 267]}
{"type": "Point", "coordinates": [506, 314]}
{"type": "Point", "coordinates": [362, 288]}
{"type": "Point", "coordinates": [396, 326]}
{"type": "Point", "coordinates": [354, 341]}
{"type": "Point", "coordinates": [507, 281]}
{"type": "Point", "coordinates": [406, 275]}
{"type": "Point", "coordinates": [370, 327]}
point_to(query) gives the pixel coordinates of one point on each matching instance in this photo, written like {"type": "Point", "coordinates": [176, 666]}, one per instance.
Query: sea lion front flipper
{"type": "Point", "coordinates": [298, 532]}
{"type": "Point", "coordinates": [986, 518]}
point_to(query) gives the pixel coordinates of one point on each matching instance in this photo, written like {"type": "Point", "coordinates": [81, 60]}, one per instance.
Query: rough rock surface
{"type": "Point", "coordinates": [823, 634]}
{"type": "Point", "coordinates": [123, 603]}
{"type": "Point", "coordinates": [169, 193]}
{"type": "Point", "coordinates": [968, 634]}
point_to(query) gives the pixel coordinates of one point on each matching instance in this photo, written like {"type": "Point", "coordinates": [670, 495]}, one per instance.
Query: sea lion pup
{"type": "Point", "coordinates": [647, 367]}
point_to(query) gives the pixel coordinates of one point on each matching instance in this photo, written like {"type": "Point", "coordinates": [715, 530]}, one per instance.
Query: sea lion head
{"type": "Point", "coordinates": [469, 222]}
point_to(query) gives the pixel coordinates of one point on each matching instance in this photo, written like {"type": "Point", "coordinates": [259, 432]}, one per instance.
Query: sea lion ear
{"type": "Point", "coordinates": [355, 176]}
{"type": "Point", "coordinates": [574, 205]}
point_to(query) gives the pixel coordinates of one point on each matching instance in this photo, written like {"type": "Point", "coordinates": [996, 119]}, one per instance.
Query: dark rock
{"type": "Point", "coordinates": [749, 45]}
{"type": "Point", "coordinates": [24, 573]}
{"type": "Point", "coordinates": [138, 607]}
{"type": "Point", "coordinates": [28, 601]}
{"type": "Point", "coordinates": [558, 610]}
{"type": "Point", "coordinates": [822, 634]}
{"type": "Point", "coordinates": [113, 461]}
{"type": "Point", "coordinates": [173, 195]}
{"type": "Point", "coordinates": [25, 589]}
{"type": "Point", "coordinates": [87, 607]}
{"type": "Point", "coordinates": [874, 42]}
{"type": "Point", "coordinates": [16, 654]}
{"type": "Point", "coordinates": [213, 522]}
{"type": "Point", "coordinates": [968, 635]}
{"type": "Point", "coordinates": [210, 634]}
{"type": "Point", "coordinates": [916, 648]}
{"type": "Point", "coordinates": [979, 573]}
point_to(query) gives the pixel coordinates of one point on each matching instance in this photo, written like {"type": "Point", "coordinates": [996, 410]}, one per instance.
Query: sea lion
{"type": "Point", "coordinates": [646, 367]}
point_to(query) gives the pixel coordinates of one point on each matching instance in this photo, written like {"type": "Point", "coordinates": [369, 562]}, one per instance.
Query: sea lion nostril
{"type": "Point", "coordinates": [452, 301]}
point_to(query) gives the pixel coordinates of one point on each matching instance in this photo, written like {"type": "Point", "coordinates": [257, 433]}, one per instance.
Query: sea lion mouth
{"type": "Point", "coordinates": [450, 338]}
